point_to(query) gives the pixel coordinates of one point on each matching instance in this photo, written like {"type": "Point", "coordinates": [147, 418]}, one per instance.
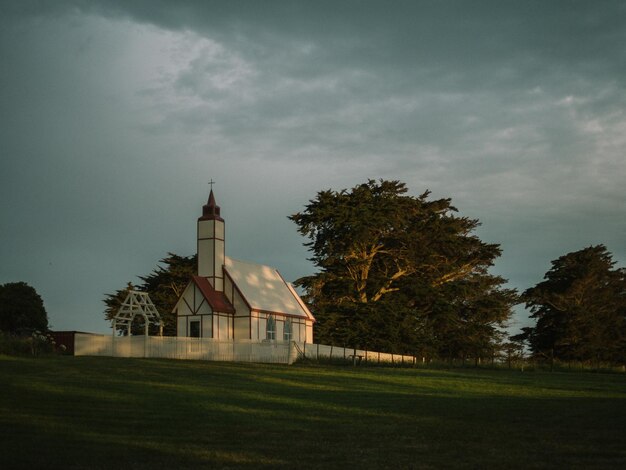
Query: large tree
{"type": "Point", "coordinates": [21, 309]}
{"type": "Point", "coordinates": [164, 284]}
{"type": "Point", "coordinates": [400, 272]}
{"type": "Point", "coordinates": [579, 308]}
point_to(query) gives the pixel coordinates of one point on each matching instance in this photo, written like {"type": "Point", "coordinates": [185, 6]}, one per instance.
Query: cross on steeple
{"type": "Point", "coordinates": [211, 211]}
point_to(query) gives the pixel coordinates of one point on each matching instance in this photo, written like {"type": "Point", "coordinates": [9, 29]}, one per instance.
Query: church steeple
{"type": "Point", "coordinates": [211, 234]}
{"type": "Point", "coordinates": [211, 211]}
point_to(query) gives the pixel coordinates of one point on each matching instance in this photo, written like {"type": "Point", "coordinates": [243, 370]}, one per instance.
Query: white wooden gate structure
{"type": "Point", "coordinates": [137, 303]}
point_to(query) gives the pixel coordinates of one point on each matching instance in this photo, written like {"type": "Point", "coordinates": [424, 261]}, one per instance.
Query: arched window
{"type": "Point", "coordinates": [287, 330]}
{"type": "Point", "coordinates": [271, 327]}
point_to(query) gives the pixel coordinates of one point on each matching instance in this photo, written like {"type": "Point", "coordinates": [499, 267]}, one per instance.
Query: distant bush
{"type": "Point", "coordinates": [36, 344]}
{"type": "Point", "coordinates": [15, 345]}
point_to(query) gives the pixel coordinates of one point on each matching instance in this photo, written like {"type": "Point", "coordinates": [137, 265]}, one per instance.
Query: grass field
{"type": "Point", "coordinates": [67, 412]}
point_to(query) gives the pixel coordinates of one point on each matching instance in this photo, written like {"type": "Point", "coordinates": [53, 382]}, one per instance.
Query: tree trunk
{"type": "Point", "coordinates": [552, 360]}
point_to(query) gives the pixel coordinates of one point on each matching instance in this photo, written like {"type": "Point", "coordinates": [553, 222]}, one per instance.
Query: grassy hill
{"type": "Point", "coordinates": [66, 412]}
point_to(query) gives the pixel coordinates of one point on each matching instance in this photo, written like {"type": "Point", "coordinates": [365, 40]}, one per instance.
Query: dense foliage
{"type": "Point", "coordinates": [579, 308]}
{"type": "Point", "coordinates": [21, 309]}
{"type": "Point", "coordinates": [401, 273]}
{"type": "Point", "coordinates": [164, 284]}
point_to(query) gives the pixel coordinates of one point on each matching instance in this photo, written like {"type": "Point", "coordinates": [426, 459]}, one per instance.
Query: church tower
{"type": "Point", "coordinates": [211, 244]}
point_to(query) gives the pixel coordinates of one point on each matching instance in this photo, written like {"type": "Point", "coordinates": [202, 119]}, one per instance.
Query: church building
{"type": "Point", "coordinates": [236, 300]}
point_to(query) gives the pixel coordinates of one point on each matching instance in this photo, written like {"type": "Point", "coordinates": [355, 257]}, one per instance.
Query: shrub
{"type": "Point", "coordinates": [36, 344]}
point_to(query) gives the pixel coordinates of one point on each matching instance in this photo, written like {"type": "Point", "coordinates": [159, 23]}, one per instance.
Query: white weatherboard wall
{"type": "Point", "coordinates": [207, 349]}
{"type": "Point", "coordinates": [211, 251]}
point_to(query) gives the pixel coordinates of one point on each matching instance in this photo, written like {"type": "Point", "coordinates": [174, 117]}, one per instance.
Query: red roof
{"type": "Point", "coordinates": [217, 300]}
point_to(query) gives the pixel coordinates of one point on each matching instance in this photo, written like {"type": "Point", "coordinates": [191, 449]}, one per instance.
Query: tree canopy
{"type": "Point", "coordinates": [164, 284]}
{"type": "Point", "coordinates": [21, 309]}
{"type": "Point", "coordinates": [401, 273]}
{"type": "Point", "coordinates": [579, 308]}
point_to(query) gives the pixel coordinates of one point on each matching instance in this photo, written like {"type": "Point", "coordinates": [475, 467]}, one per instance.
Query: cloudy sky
{"type": "Point", "coordinates": [114, 115]}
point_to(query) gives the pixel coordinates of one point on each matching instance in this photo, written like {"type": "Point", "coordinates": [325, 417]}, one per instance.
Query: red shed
{"type": "Point", "coordinates": [66, 338]}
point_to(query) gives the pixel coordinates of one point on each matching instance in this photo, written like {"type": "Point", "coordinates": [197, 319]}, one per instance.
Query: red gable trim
{"type": "Point", "coordinates": [298, 299]}
{"type": "Point", "coordinates": [217, 300]}
{"type": "Point", "coordinates": [235, 287]}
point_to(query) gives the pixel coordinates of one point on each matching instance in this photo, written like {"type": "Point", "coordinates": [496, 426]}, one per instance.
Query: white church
{"type": "Point", "coordinates": [236, 300]}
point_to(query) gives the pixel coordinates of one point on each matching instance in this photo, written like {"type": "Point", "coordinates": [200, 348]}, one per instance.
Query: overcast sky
{"type": "Point", "coordinates": [114, 115]}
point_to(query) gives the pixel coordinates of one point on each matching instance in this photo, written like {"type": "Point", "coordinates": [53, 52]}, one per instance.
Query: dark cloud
{"type": "Point", "coordinates": [114, 114]}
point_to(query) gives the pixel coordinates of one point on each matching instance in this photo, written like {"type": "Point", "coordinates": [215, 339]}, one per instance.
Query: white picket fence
{"type": "Point", "coordinates": [173, 347]}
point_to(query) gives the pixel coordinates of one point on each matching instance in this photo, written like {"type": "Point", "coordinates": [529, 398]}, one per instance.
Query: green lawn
{"type": "Point", "coordinates": [66, 412]}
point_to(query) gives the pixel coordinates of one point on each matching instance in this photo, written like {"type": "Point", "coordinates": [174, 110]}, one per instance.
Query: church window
{"type": "Point", "coordinates": [287, 330]}
{"type": "Point", "coordinates": [271, 327]}
{"type": "Point", "coordinates": [194, 329]}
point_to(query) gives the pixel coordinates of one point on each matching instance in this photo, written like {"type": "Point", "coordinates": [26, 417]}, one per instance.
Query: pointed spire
{"type": "Point", "coordinates": [211, 211]}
